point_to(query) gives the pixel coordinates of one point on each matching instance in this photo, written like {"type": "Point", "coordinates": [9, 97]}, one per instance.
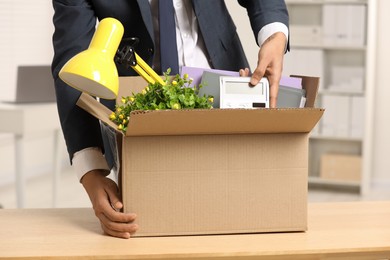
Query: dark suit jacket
{"type": "Point", "coordinates": [75, 21]}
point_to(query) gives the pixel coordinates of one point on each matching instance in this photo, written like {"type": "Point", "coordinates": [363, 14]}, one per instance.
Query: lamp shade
{"type": "Point", "coordinates": [93, 71]}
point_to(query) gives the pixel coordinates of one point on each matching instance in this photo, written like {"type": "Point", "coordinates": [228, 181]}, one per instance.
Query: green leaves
{"type": "Point", "coordinates": [177, 93]}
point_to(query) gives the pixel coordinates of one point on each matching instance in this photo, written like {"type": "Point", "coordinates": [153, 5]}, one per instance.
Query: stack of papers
{"type": "Point", "coordinates": [291, 93]}
{"type": "Point", "coordinates": [210, 79]}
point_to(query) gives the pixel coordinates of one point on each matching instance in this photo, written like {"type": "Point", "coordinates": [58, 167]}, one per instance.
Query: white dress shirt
{"type": "Point", "coordinates": [191, 52]}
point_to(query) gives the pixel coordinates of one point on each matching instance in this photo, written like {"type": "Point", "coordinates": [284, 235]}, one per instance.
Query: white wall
{"type": "Point", "coordinates": [244, 30]}
{"type": "Point", "coordinates": [381, 127]}
{"type": "Point", "coordinates": [26, 29]}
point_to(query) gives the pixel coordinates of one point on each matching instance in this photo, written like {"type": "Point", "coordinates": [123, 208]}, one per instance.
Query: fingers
{"type": "Point", "coordinates": [264, 69]}
{"type": "Point", "coordinates": [258, 74]}
{"type": "Point", "coordinates": [117, 216]}
{"type": "Point", "coordinates": [244, 72]}
{"type": "Point", "coordinates": [113, 222]}
{"type": "Point", "coordinates": [270, 64]}
{"type": "Point", "coordinates": [274, 79]}
{"type": "Point", "coordinates": [117, 229]}
{"type": "Point", "coordinates": [104, 195]}
{"type": "Point", "coordinates": [273, 75]}
{"type": "Point", "coordinates": [113, 195]}
{"type": "Point", "coordinates": [273, 95]}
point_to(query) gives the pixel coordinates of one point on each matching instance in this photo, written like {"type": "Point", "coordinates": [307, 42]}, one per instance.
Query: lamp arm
{"type": "Point", "coordinates": [129, 58]}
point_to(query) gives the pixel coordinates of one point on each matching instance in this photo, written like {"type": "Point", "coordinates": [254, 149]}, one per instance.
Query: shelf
{"type": "Point", "coordinates": [329, 47]}
{"type": "Point", "coordinates": [322, 2]}
{"type": "Point", "coordinates": [335, 138]}
{"type": "Point", "coordinates": [341, 93]}
{"type": "Point", "coordinates": [318, 180]}
{"type": "Point", "coordinates": [321, 48]}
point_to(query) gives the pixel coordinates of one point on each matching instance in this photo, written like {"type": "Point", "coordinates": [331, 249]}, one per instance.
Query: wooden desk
{"type": "Point", "coordinates": [24, 120]}
{"type": "Point", "coordinates": [354, 230]}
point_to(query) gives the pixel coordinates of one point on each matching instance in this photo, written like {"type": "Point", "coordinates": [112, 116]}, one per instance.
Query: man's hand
{"type": "Point", "coordinates": [270, 64]}
{"type": "Point", "coordinates": [104, 195]}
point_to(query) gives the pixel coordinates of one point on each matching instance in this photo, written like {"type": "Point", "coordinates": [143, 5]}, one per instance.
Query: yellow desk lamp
{"type": "Point", "coordinates": [94, 71]}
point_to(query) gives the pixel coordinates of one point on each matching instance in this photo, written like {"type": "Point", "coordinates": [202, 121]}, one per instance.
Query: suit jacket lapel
{"type": "Point", "coordinates": [146, 13]}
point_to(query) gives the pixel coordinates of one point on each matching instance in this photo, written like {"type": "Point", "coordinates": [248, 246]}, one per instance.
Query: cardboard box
{"type": "Point", "coordinates": [341, 167]}
{"type": "Point", "coordinates": [218, 171]}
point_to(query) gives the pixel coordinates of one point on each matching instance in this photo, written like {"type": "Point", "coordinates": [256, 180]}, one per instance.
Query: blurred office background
{"type": "Point", "coordinates": [345, 42]}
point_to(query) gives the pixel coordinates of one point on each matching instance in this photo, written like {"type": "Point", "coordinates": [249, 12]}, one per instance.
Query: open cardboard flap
{"type": "Point", "coordinates": [310, 84]}
{"type": "Point", "coordinates": [211, 121]}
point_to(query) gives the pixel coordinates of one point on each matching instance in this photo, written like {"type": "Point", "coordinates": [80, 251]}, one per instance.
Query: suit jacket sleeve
{"type": "Point", "coordinates": [74, 22]}
{"type": "Point", "coordinates": [263, 12]}
{"type": "Point", "coordinates": [219, 31]}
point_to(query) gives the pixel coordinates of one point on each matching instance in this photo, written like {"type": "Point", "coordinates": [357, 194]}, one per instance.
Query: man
{"type": "Point", "coordinates": [205, 37]}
